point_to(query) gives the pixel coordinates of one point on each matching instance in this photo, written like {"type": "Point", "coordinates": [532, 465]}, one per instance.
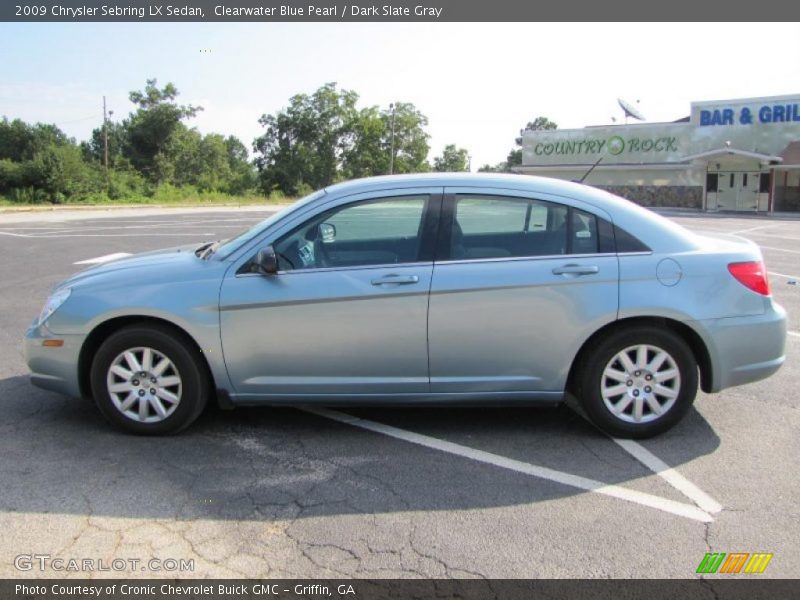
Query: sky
{"type": "Point", "coordinates": [477, 83]}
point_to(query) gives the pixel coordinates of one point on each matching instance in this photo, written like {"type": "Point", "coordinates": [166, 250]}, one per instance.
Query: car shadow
{"type": "Point", "coordinates": [60, 456]}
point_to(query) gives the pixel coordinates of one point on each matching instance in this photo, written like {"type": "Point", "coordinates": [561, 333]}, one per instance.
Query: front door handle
{"type": "Point", "coordinates": [395, 280]}
{"type": "Point", "coordinates": [576, 270]}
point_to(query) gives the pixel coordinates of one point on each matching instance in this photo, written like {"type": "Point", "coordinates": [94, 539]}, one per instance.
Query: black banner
{"type": "Point", "coordinates": [751, 588]}
{"type": "Point", "coordinates": [397, 11]}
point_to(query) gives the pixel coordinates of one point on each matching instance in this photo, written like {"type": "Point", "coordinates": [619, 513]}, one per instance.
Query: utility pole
{"type": "Point", "coordinates": [105, 136]}
{"type": "Point", "coordinates": [391, 157]}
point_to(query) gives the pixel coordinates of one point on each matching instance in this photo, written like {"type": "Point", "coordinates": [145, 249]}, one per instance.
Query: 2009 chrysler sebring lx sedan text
{"type": "Point", "coordinates": [458, 289]}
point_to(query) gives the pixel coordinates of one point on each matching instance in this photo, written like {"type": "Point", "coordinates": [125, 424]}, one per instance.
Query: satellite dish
{"type": "Point", "coordinates": [630, 110]}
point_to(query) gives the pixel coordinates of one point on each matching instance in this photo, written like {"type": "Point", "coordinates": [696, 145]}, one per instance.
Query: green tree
{"type": "Point", "coordinates": [44, 162]}
{"type": "Point", "coordinates": [242, 177]}
{"type": "Point", "coordinates": [410, 138]}
{"type": "Point", "coordinates": [452, 160]}
{"type": "Point", "coordinates": [538, 124]}
{"type": "Point", "coordinates": [150, 130]}
{"type": "Point", "coordinates": [370, 149]}
{"type": "Point", "coordinates": [324, 137]}
{"type": "Point", "coordinates": [304, 144]}
{"type": "Point", "coordinates": [61, 172]}
{"type": "Point", "coordinates": [20, 141]}
{"type": "Point", "coordinates": [498, 168]}
{"type": "Point", "coordinates": [94, 149]}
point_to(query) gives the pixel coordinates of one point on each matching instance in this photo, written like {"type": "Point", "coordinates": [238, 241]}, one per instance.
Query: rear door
{"type": "Point", "coordinates": [519, 283]}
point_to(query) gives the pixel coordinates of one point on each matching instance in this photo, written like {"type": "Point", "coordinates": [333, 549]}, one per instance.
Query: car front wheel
{"type": "Point", "coordinates": [639, 382]}
{"type": "Point", "coordinates": [147, 380]}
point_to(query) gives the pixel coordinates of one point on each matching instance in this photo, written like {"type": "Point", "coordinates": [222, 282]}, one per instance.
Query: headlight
{"type": "Point", "coordinates": [55, 300]}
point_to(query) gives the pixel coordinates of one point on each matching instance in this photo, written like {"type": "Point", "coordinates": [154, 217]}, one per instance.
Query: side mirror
{"type": "Point", "coordinates": [266, 262]}
{"type": "Point", "coordinates": [327, 232]}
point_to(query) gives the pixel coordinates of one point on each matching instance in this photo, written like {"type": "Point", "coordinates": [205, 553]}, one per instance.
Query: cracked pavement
{"type": "Point", "coordinates": [280, 493]}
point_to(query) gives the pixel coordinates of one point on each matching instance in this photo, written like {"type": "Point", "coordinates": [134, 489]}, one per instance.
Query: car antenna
{"type": "Point", "coordinates": [585, 175]}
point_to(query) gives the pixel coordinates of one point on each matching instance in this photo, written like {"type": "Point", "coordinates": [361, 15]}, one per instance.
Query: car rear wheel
{"type": "Point", "coordinates": [147, 380]}
{"type": "Point", "coordinates": [639, 382]}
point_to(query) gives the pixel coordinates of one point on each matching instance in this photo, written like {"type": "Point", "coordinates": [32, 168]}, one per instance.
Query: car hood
{"type": "Point", "coordinates": [166, 262]}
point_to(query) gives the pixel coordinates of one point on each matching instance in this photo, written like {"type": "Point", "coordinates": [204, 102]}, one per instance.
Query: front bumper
{"type": "Point", "coordinates": [54, 369]}
{"type": "Point", "coordinates": [745, 349]}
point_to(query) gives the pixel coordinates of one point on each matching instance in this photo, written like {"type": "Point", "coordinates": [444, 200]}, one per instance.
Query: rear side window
{"type": "Point", "coordinates": [499, 227]}
{"type": "Point", "coordinates": [628, 243]}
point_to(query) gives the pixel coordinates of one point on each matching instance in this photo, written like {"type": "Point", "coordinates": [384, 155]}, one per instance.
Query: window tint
{"type": "Point", "coordinates": [374, 232]}
{"type": "Point", "coordinates": [493, 227]}
{"type": "Point", "coordinates": [628, 243]}
{"type": "Point", "coordinates": [605, 232]}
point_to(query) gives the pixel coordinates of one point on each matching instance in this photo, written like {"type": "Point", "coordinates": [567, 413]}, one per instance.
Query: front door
{"type": "Point", "coordinates": [738, 191]}
{"type": "Point", "coordinates": [748, 192]}
{"type": "Point", "coordinates": [728, 190]}
{"type": "Point", "coordinates": [518, 285]}
{"type": "Point", "coordinates": [347, 312]}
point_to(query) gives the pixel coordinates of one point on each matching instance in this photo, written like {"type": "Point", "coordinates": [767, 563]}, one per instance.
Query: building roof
{"type": "Point", "coordinates": [791, 154]}
{"type": "Point", "coordinates": [735, 151]}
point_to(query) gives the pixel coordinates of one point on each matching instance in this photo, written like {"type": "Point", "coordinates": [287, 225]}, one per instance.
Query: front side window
{"type": "Point", "coordinates": [373, 232]}
{"type": "Point", "coordinates": [496, 227]}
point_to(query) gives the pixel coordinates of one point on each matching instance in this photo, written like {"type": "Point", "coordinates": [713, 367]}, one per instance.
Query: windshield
{"type": "Point", "coordinates": [231, 245]}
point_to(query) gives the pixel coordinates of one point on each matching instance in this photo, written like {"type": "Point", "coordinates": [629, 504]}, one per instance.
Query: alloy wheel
{"type": "Point", "coordinates": [640, 384]}
{"type": "Point", "coordinates": [144, 385]}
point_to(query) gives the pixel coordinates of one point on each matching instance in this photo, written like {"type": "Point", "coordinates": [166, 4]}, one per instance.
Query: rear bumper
{"type": "Point", "coordinates": [745, 349]}
{"type": "Point", "coordinates": [54, 369]}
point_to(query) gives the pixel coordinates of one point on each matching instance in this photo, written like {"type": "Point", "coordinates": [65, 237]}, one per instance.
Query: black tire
{"type": "Point", "coordinates": [195, 383]}
{"type": "Point", "coordinates": [590, 377]}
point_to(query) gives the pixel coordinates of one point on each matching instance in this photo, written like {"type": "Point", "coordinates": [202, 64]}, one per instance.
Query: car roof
{"type": "Point", "coordinates": [505, 180]}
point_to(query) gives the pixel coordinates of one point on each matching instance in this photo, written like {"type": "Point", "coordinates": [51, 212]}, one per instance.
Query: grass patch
{"type": "Point", "coordinates": [166, 196]}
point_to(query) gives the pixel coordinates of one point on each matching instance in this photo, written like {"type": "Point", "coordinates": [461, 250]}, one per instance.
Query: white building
{"type": "Point", "coordinates": [736, 155]}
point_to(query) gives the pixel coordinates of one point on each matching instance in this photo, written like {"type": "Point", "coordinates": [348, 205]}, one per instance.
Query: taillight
{"type": "Point", "coordinates": [752, 275]}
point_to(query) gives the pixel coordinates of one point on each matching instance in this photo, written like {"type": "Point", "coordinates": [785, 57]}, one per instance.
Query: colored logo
{"type": "Point", "coordinates": [616, 145]}
{"type": "Point", "coordinates": [734, 562]}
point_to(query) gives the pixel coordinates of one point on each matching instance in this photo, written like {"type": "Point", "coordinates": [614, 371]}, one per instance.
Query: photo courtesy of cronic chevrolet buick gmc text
{"type": "Point", "coordinates": [441, 289]}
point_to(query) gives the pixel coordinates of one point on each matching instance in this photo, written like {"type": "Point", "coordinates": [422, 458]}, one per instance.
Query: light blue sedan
{"type": "Point", "coordinates": [445, 289]}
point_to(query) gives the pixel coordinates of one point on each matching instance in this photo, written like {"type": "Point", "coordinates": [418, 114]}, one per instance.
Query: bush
{"type": "Point", "coordinates": [276, 196]}
{"type": "Point", "coordinates": [124, 184]}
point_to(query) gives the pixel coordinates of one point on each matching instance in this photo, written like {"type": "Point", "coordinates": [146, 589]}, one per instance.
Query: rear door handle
{"type": "Point", "coordinates": [576, 270]}
{"type": "Point", "coordinates": [395, 280]}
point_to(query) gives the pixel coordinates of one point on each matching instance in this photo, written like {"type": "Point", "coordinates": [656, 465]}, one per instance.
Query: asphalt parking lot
{"type": "Point", "coordinates": [500, 493]}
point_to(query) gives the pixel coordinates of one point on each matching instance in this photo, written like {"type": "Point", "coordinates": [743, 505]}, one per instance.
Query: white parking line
{"type": "Point", "coordinates": [670, 475]}
{"type": "Point", "coordinates": [784, 275]}
{"type": "Point", "coordinates": [140, 234]}
{"type": "Point", "coordinates": [102, 259]}
{"type": "Point", "coordinates": [794, 333]}
{"type": "Point", "coordinates": [60, 230]}
{"type": "Point", "coordinates": [778, 249]}
{"type": "Point", "coordinates": [52, 235]}
{"type": "Point", "coordinates": [663, 504]}
{"type": "Point", "coordinates": [738, 231]}
{"type": "Point", "coordinates": [775, 236]}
